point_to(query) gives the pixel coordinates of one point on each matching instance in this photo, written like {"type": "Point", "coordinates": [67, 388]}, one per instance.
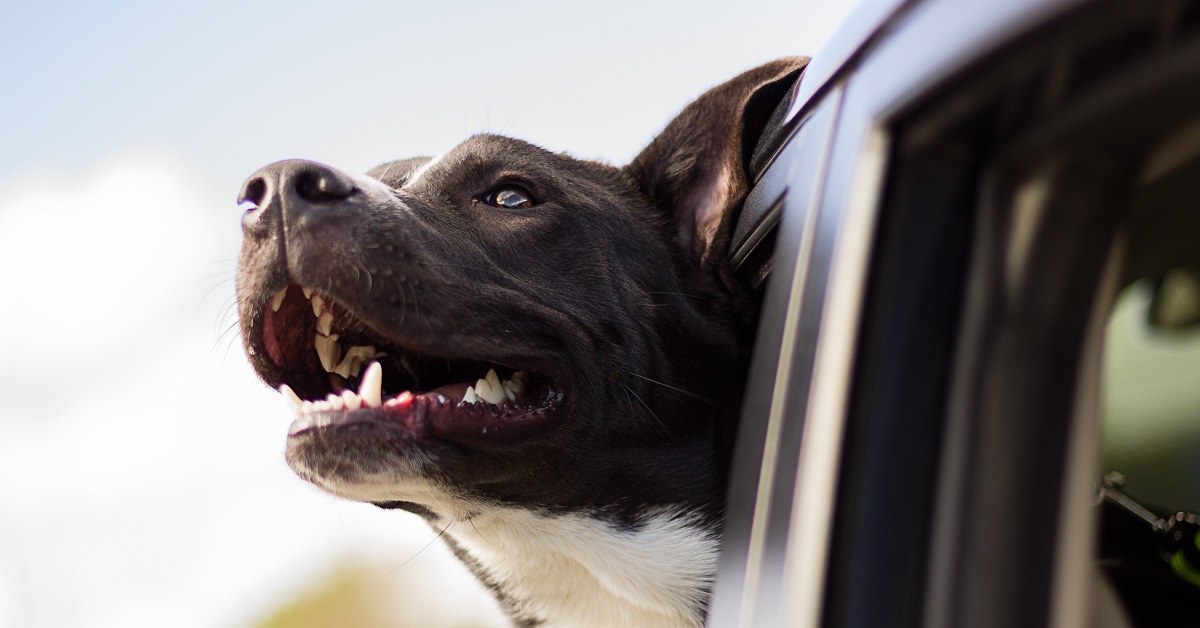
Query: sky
{"type": "Point", "coordinates": [141, 472]}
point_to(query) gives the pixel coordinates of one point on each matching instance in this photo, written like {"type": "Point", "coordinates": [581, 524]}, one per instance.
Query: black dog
{"type": "Point", "coordinates": [542, 356]}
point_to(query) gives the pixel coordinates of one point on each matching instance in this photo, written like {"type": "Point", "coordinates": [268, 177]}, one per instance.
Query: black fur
{"type": "Point", "coordinates": [614, 285]}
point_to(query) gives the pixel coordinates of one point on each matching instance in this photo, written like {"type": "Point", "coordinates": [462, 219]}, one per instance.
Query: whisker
{"type": "Point", "coordinates": [420, 551]}
{"type": "Point", "coordinates": [660, 422]}
{"type": "Point", "coordinates": [682, 294]}
{"type": "Point", "coordinates": [472, 522]}
{"type": "Point", "coordinates": [481, 270]}
{"type": "Point", "coordinates": [679, 390]}
{"type": "Point", "coordinates": [221, 337]}
{"type": "Point", "coordinates": [433, 239]}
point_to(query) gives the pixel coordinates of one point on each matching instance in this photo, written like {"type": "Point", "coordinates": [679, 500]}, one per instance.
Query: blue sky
{"type": "Point", "coordinates": [233, 85]}
{"type": "Point", "coordinates": [140, 465]}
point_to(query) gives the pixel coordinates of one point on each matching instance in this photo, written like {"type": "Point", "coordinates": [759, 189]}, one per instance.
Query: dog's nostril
{"type": "Point", "coordinates": [253, 193]}
{"type": "Point", "coordinates": [323, 186]}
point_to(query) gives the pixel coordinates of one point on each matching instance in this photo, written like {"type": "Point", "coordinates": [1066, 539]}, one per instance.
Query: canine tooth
{"type": "Point", "coordinates": [325, 323]}
{"type": "Point", "coordinates": [327, 350]}
{"type": "Point", "coordinates": [307, 291]}
{"type": "Point", "coordinates": [470, 397]}
{"type": "Point", "coordinates": [318, 304]}
{"type": "Point", "coordinates": [351, 400]}
{"type": "Point", "coordinates": [371, 388]}
{"type": "Point", "coordinates": [277, 300]}
{"type": "Point", "coordinates": [293, 401]}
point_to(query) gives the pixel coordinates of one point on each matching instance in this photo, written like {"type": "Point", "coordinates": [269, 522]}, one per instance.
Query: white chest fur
{"type": "Point", "coordinates": [577, 571]}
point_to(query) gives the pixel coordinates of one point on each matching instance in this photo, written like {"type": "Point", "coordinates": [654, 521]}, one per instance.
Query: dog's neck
{"type": "Point", "coordinates": [578, 570]}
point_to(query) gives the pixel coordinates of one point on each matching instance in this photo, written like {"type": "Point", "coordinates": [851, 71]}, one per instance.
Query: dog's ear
{"type": "Point", "coordinates": [697, 168]}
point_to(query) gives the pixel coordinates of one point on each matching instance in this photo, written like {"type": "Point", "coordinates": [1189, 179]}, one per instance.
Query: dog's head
{"type": "Point", "coordinates": [504, 325]}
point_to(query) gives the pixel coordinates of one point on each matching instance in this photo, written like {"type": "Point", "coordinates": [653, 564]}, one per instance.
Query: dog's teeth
{"type": "Point", "coordinates": [293, 401]}
{"type": "Point", "coordinates": [441, 399]}
{"type": "Point", "coordinates": [497, 395]}
{"type": "Point", "coordinates": [512, 396]}
{"type": "Point", "coordinates": [318, 304]}
{"type": "Point", "coordinates": [343, 368]}
{"type": "Point", "coordinates": [307, 408]}
{"type": "Point", "coordinates": [492, 378]}
{"type": "Point", "coordinates": [487, 392]}
{"type": "Point", "coordinates": [335, 401]}
{"type": "Point", "coordinates": [327, 350]}
{"type": "Point", "coordinates": [470, 397]}
{"type": "Point", "coordinates": [352, 362]}
{"type": "Point", "coordinates": [325, 323]}
{"type": "Point", "coordinates": [307, 291]}
{"type": "Point", "coordinates": [371, 388]}
{"type": "Point", "coordinates": [277, 300]}
{"type": "Point", "coordinates": [351, 400]}
{"type": "Point", "coordinates": [517, 383]}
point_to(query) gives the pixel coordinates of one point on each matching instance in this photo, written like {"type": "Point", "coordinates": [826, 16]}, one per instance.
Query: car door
{"type": "Point", "coordinates": [963, 199]}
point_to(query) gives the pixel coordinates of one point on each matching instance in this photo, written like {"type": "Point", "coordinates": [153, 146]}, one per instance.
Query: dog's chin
{"type": "Point", "coordinates": [365, 403]}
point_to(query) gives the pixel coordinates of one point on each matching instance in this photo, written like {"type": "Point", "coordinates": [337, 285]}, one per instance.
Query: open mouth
{"type": "Point", "coordinates": [336, 370]}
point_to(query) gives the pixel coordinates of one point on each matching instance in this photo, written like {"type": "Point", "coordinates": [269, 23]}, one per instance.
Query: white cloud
{"type": "Point", "coordinates": [141, 470]}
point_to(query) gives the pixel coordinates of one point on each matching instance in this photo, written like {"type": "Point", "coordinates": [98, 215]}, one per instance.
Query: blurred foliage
{"type": "Point", "coordinates": [1152, 403]}
{"type": "Point", "coordinates": [356, 595]}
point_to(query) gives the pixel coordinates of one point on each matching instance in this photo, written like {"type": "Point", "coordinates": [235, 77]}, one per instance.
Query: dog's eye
{"type": "Point", "coordinates": [509, 196]}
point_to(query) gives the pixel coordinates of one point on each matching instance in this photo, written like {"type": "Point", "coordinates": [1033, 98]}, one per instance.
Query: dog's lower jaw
{"type": "Point", "coordinates": [579, 571]}
{"type": "Point", "coordinates": [569, 570]}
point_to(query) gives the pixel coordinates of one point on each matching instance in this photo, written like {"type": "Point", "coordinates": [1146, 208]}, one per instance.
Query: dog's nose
{"type": "Point", "coordinates": [299, 189]}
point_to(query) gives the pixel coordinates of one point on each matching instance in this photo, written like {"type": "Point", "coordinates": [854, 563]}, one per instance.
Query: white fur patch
{"type": "Point", "coordinates": [579, 571]}
{"type": "Point", "coordinates": [568, 570]}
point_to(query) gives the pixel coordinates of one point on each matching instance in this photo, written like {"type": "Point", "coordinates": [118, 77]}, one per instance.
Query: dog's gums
{"type": "Point", "coordinates": [354, 392]}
